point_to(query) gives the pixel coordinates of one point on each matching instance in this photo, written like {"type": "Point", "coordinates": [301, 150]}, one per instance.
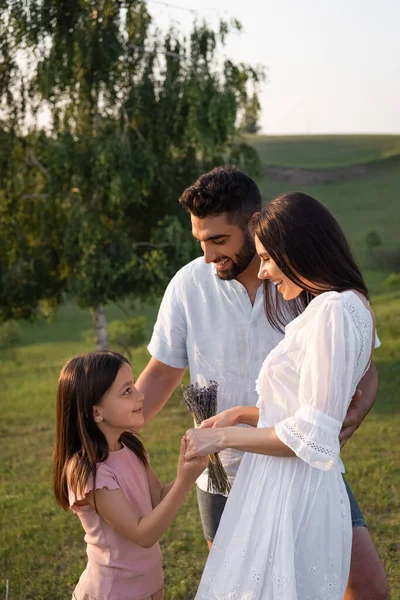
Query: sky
{"type": "Point", "coordinates": [333, 66]}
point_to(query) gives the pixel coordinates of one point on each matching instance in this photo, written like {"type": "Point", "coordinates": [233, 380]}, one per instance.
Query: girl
{"type": "Point", "coordinates": [102, 472]}
{"type": "Point", "coordinates": [285, 533]}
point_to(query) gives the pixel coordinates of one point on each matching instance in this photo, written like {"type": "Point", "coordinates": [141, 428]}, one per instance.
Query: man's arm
{"type": "Point", "coordinates": [157, 382]}
{"type": "Point", "coordinates": [361, 404]}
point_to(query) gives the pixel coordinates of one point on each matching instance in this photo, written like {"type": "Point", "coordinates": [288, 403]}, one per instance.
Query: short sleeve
{"type": "Point", "coordinates": [328, 370]}
{"type": "Point", "coordinates": [168, 342]}
{"type": "Point", "coordinates": [105, 478]}
{"type": "Point", "coordinates": [377, 343]}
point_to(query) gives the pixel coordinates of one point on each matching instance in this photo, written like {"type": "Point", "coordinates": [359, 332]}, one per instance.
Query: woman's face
{"type": "Point", "coordinates": [270, 270]}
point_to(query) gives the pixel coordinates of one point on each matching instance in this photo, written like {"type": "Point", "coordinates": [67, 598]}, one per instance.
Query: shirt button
{"type": "Point", "coordinates": [255, 357]}
{"type": "Point", "coordinates": [254, 324]}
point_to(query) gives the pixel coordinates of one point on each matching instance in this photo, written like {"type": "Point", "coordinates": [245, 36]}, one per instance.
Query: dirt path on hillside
{"type": "Point", "coordinates": [304, 176]}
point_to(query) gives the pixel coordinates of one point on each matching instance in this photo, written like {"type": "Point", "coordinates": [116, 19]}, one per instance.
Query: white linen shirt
{"type": "Point", "coordinates": [210, 326]}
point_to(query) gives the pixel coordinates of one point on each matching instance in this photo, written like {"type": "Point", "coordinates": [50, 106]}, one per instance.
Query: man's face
{"type": "Point", "coordinates": [226, 245]}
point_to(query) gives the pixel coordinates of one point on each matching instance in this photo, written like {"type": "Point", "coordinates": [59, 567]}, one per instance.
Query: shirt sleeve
{"type": "Point", "coordinates": [377, 343]}
{"type": "Point", "coordinates": [327, 368]}
{"type": "Point", "coordinates": [168, 342]}
{"type": "Point", "coordinates": [105, 478]}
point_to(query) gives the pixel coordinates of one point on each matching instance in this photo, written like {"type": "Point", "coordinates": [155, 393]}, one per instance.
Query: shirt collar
{"type": "Point", "coordinates": [214, 269]}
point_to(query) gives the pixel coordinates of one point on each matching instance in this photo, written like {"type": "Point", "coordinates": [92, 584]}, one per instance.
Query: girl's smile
{"type": "Point", "coordinates": [121, 407]}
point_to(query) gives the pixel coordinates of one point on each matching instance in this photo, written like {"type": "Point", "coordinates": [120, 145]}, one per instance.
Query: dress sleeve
{"type": "Point", "coordinates": [327, 367]}
{"type": "Point", "coordinates": [105, 478]}
{"type": "Point", "coordinates": [168, 342]}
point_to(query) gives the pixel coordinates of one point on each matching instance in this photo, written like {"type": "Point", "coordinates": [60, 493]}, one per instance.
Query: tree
{"type": "Point", "coordinates": [249, 123]}
{"type": "Point", "coordinates": [30, 233]}
{"type": "Point", "coordinates": [373, 239]}
{"type": "Point", "coordinates": [133, 119]}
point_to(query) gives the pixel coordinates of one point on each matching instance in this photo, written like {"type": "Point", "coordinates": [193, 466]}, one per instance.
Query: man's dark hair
{"type": "Point", "coordinates": [223, 190]}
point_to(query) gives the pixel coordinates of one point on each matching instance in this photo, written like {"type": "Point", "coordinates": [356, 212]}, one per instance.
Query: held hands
{"type": "Point", "coordinates": [203, 441]}
{"type": "Point", "coordinates": [189, 469]}
{"type": "Point", "coordinates": [206, 439]}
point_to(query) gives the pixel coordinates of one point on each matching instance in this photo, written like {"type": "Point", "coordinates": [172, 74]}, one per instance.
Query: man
{"type": "Point", "coordinates": [212, 319]}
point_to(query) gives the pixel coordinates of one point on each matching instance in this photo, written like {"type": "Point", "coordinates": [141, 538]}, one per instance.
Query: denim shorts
{"type": "Point", "coordinates": [211, 507]}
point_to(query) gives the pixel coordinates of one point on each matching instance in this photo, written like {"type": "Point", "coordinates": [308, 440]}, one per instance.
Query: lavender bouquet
{"type": "Point", "coordinates": [202, 404]}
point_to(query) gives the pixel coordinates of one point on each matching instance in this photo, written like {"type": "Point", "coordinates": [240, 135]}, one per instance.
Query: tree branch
{"type": "Point", "coordinates": [33, 196]}
{"type": "Point", "coordinates": [166, 52]}
{"type": "Point", "coordinates": [126, 121]}
{"type": "Point", "coordinates": [32, 158]}
{"type": "Point", "coordinates": [149, 244]}
{"type": "Point", "coordinates": [122, 308]}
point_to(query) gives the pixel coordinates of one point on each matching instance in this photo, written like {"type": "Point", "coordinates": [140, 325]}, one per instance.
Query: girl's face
{"type": "Point", "coordinates": [270, 270]}
{"type": "Point", "coordinates": [121, 407]}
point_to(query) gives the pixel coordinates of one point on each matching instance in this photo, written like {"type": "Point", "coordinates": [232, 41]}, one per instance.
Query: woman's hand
{"type": "Point", "coordinates": [202, 442]}
{"type": "Point", "coordinates": [189, 469]}
{"type": "Point", "coordinates": [226, 418]}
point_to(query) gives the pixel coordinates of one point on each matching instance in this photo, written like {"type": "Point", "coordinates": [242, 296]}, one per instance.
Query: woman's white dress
{"type": "Point", "coordinates": [286, 532]}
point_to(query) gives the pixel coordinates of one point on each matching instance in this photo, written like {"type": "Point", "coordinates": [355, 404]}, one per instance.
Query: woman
{"type": "Point", "coordinates": [286, 530]}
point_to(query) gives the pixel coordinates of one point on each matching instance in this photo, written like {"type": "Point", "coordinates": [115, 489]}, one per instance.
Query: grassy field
{"type": "Point", "coordinates": [41, 548]}
{"type": "Point", "coordinates": [318, 151]}
{"type": "Point", "coordinates": [359, 205]}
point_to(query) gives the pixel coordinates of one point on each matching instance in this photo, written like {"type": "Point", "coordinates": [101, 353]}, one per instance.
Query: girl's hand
{"type": "Point", "coordinates": [226, 418]}
{"type": "Point", "coordinates": [202, 442]}
{"type": "Point", "coordinates": [189, 469]}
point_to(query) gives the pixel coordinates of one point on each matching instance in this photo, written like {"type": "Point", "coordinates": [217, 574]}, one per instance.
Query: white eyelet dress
{"type": "Point", "coordinates": [286, 529]}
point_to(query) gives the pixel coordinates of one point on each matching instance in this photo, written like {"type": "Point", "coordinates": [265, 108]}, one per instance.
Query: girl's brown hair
{"type": "Point", "coordinates": [304, 239]}
{"type": "Point", "coordinates": [79, 443]}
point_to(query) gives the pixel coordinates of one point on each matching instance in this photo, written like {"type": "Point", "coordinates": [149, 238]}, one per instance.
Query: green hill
{"type": "Point", "coordinates": [370, 202]}
{"type": "Point", "coordinates": [319, 151]}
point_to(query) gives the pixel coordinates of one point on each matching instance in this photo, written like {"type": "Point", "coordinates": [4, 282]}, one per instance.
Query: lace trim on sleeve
{"type": "Point", "coordinates": [316, 445]}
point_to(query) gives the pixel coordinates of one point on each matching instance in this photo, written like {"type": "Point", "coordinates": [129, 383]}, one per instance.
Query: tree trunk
{"type": "Point", "coordinates": [100, 327]}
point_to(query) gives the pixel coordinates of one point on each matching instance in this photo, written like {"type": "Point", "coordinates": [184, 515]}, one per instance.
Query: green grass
{"type": "Point", "coordinates": [319, 151]}
{"type": "Point", "coordinates": [42, 551]}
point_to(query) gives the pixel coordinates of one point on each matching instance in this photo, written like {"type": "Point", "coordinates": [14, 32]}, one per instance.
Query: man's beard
{"type": "Point", "coordinates": [242, 259]}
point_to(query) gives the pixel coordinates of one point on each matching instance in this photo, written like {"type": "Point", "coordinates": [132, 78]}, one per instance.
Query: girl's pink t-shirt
{"type": "Point", "coordinates": [117, 568]}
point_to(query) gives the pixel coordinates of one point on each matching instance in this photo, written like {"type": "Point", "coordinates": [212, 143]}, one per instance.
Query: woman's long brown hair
{"type": "Point", "coordinates": [79, 443]}
{"type": "Point", "coordinates": [304, 239]}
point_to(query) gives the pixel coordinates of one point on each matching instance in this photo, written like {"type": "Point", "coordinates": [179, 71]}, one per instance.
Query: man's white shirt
{"type": "Point", "coordinates": [210, 326]}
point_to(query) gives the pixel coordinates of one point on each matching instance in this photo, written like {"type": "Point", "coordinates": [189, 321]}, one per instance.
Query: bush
{"type": "Point", "coordinates": [393, 282]}
{"type": "Point", "coordinates": [9, 334]}
{"type": "Point", "coordinates": [127, 334]}
{"type": "Point", "coordinates": [373, 239]}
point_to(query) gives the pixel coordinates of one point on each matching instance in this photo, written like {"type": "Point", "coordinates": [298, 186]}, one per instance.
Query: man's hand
{"type": "Point", "coordinates": [354, 418]}
{"type": "Point", "coordinates": [362, 402]}
{"type": "Point", "coordinates": [226, 418]}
